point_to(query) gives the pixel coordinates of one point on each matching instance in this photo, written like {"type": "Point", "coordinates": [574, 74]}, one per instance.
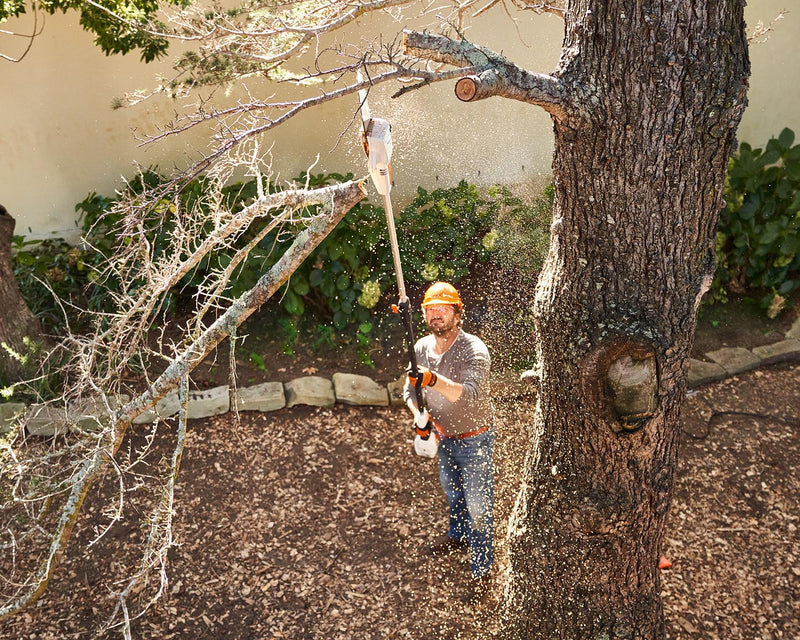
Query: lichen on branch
{"type": "Point", "coordinates": [497, 75]}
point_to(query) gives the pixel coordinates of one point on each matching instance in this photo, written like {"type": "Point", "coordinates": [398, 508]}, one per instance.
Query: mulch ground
{"type": "Point", "coordinates": [308, 523]}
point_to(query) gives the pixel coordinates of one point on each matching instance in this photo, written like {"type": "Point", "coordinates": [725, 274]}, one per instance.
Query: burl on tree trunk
{"type": "Point", "coordinates": [20, 331]}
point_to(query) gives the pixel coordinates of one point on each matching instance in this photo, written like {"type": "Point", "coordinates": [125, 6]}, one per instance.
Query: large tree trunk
{"type": "Point", "coordinates": [639, 180]}
{"type": "Point", "coordinates": [17, 324]}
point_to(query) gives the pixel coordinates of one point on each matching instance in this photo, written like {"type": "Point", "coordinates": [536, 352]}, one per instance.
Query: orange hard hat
{"type": "Point", "coordinates": [442, 293]}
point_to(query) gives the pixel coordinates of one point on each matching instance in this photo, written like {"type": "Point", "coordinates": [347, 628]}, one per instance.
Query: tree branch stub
{"type": "Point", "coordinates": [500, 77]}
{"type": "Point", "coordinates": [477, 87]}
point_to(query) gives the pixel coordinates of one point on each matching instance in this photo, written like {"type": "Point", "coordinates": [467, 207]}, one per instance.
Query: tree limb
{"type": "Point", "coordinates": [539, 7]}
{"type": "Point", "coordinates": [337, 200]}
{"type": "Point", "coordinates": [341, 198]}
{"type": "Point", "coordinates": [499, 76]}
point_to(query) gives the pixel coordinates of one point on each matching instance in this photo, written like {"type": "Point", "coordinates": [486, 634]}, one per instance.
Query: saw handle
{"type": "Point", "coordinates": [428, 377]}
{"type": "Point", "coordinates": [404, 309]}
{"type": "Point", "coordinates": [423, 425]}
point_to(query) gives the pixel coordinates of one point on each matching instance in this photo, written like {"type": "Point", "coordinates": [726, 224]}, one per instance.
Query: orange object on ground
{"type": "Point", "coordinates": [664, 563]}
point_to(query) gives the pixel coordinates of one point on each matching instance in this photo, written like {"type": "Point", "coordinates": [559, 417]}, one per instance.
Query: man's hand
{"type": "Point", "coordinates": [426, 377]}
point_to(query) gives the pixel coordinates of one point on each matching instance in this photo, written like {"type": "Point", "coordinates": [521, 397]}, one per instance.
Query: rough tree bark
{"type": "Point", "coordinates": [660, 88]}
{"type": "Point", "coordinates": [645, 102]}
{"type": "Point", "coordinates": [18, 323]}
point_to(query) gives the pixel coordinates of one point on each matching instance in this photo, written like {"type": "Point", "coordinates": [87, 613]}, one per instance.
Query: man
{"type": "Point", "coordinates": [454, 376]}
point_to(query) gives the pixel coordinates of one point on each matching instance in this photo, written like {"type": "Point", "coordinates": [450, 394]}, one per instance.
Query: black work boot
{"type": "Point", "coordinates": [444, 545]}
{"type": "Point", "coordinates": [478, 590]}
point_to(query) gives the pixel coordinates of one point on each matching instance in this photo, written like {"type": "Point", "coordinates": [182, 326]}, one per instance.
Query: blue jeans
{"type": "Point", "coordinates": [466, 472]}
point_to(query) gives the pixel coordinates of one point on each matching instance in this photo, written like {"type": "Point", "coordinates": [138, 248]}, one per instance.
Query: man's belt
{"type": "Point", "coordinates": [461, 436]}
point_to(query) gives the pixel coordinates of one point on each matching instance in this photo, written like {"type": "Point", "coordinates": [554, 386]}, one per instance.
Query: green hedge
{"type": "Point", "coordinates": [442, 234]}
{"type": "Point", "coordinates": [758, 240]}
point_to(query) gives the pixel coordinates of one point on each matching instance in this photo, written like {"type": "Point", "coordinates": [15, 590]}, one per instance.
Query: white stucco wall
{"type": "Point", "coordinates": [774, 96]}
{"type": "Point", "coordinates": [60, 138]}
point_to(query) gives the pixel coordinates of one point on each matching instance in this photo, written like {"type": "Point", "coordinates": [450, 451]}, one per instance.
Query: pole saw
{"type": "Point", "coordinates": [376, 136]}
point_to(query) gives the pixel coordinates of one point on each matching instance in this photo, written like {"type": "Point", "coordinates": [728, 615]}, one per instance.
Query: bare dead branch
{"type": "Point", "coordinates": [336, 201]}
{"type": "Point", "coordinates": [160, 539]}
{"type": "Point", "coordinates": [556, 8]}
{"type": "Point", "coordinates": [762, 32]}
{"type": "Point", "coordinates": [36, 30]}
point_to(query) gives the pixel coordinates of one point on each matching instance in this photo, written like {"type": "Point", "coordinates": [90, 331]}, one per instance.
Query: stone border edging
{"type": "Point", "coordinates": [350, 389]}
{"type": "Point", "coordinates": [729, 361]}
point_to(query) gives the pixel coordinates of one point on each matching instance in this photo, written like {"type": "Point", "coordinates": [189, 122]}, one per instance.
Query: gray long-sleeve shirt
{"type": "Point", "coordinates": [467, 362]}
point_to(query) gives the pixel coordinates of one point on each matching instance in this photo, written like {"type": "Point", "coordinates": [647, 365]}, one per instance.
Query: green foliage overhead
{"type": "Point", "coordinates": [759, 233]}
{"type": "Point", "coordinates": [120, 26]}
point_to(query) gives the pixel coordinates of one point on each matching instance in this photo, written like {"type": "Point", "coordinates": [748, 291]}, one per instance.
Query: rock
{"type": "Point", "coordinates": [395, 390]}
{"type": "Point", "coordinates": [169, 405]}
{"type": "Point", "coordinates": [208, 402]}
{"type": "Point", "coordinates": [353, 389]}
{"type": "Point", "coordinates": [701, 372]}
{"type": "Point", "coordinates": [91, 414]}
{"type": "Point", "coordinates": [145, 417]}
{"type": "Point", "coordinates": [46, 420]}
{"type": "Point", "coordinates": [311, 390]}
{"type": "Point", "coordinates": [794, 332]}
{"type": "Point", "coordinates": [778, 351]}
{"type": "Point", "coordinates": [10, 413]}
{"type": "Point", "coordinates": [84, 414]}
{"type": "Point", "coordinates": [202, 404]}
{"type": "Point", "coordinates": [734, 359]}
{"type": "Point", "coordinates": [267, 396]}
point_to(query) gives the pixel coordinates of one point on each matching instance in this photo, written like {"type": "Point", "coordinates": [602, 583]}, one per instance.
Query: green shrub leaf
{"type": "Point", "coordinates": [759, 231]}
{"type": "Point", "coordinates": [786, 139]}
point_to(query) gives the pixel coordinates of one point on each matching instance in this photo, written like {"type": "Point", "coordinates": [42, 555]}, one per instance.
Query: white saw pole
{"type": "Point", "coordinates": [377, 138]}
{"type": "Point", "coordinates": [377, 135]}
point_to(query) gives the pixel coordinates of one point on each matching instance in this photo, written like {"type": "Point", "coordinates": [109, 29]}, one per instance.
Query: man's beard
{"type": "Point", "coordinates": [443, 329]}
